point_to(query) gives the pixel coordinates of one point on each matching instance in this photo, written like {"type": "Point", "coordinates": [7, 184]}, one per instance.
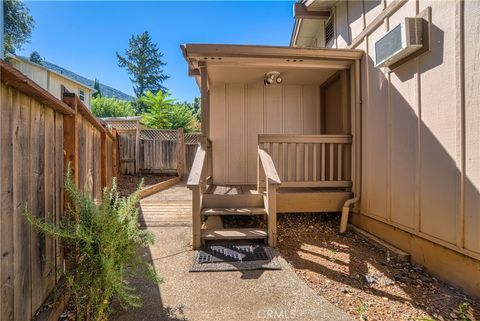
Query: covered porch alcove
{"type": "Point", "coordinates": [294, 144]}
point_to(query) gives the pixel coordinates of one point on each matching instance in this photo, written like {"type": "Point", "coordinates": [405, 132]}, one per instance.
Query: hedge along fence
{"type": "Point", "coordinates": [36, 134]}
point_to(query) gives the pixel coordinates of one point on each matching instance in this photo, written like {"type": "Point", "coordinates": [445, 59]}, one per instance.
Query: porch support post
{"type": "Point", "coordinates": [261, 177]}
{"type": "Point", "coordinates": [356, 150]}
{"type": "Point", "coordinates": [196, 217]}
{"type": "Point", "coordinates": [205, 98]}
{"type": "Point", "coordinates": [272, 214]}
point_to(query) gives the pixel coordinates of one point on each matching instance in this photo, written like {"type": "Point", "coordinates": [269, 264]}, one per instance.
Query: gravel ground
{"type": "Point", "coordinates": [367, 283]}
{"type": "Point", "coordinates": [127, 184]}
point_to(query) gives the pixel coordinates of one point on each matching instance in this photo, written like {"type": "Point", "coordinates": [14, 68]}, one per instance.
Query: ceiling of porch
{"type": "Point", "coordinates": [248, 75]}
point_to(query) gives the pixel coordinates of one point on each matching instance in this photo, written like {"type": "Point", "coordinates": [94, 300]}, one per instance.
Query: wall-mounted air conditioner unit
{"type": "Point", "coordinates": [399, 42]}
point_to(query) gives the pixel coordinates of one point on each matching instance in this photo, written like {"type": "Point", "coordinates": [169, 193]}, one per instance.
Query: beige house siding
{"type": "Point", "coordinates": [38, 75]}
{"type": "Point", "coordinates": [51, 81]}
{"type": "Point", "coordinates": [56, 82]}
{"type": "Point", "coordinates": [239, 112]}
{"type": "Point", "coordinates": [421, 130]}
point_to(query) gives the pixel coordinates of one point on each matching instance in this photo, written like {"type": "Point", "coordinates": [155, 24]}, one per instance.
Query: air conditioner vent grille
{"type": "Point", "coordinates": [399, 42]}
{"type": "Point", "coordinates": [329, 32]}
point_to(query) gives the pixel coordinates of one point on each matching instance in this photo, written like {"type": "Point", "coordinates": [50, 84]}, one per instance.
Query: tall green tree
{"type": "Point", "coordinates": [196, 106]}
{"type": "Point", "coordinates": [96, 86]}
{"type": "Point", "coordinates": [18, 25]}
{"type": "Point", "coordinates": [35, 57]}
{"type": "Point", "coordinates": [143, 61]}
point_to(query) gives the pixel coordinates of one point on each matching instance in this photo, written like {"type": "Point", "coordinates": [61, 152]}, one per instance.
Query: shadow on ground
{"type": "Point", "coordinates": [151, 298]}
{"type": "Point", "coordinates": [361, 279]}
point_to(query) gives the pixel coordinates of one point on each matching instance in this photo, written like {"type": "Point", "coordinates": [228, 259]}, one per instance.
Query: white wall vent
{"type": "Point", "coordinates": [399, 42]}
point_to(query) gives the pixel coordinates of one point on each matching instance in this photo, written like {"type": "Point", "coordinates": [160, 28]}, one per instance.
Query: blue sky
{"type": "Point", "coordinates": [83, 36]}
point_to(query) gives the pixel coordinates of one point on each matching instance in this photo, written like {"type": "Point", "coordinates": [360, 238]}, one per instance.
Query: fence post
{"type": "Point", "coordinates": [115, 152]}
{"type": "Point", "coordinates": [137, 148]}
{"type": "Point", "coordinates": [181, 153]}
{"type": "Point", "coordinates": [103, 159]}
{"type": "Point", "coordinates": [70, 138]}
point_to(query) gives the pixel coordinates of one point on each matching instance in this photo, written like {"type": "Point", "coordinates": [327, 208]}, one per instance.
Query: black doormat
{"type": "Point", "coordinates": [233, 256]}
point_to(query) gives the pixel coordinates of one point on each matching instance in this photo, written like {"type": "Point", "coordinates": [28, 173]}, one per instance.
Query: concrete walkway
{"type": "Point", "coordinates": [235, 296]}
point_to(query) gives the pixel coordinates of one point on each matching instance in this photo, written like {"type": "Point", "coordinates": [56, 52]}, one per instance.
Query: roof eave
{"type": "Point", "coordinates": [295, 32]}
{"type": "Point", "coordinates": [194, 52]}
{"type": "Point", "coordinates": [48, 70]}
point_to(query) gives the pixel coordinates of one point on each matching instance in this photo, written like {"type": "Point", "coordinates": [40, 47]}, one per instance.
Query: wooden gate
{"type": "Point", "coordinates": [159, 151]}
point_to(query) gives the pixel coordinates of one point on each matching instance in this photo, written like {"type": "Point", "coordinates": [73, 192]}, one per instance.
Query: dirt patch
{"type": "Point", "coordinates": [368, 283]}
{"type": "Point", "coordinates": [127, 184]}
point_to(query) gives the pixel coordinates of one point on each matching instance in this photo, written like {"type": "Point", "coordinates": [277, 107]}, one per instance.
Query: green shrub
{"type": "Point", "coordinates": [111, 107]}
{"type": "Point", "coordinates": [101, 245]}
{"type": "Point", "coordinates": [163, 112]}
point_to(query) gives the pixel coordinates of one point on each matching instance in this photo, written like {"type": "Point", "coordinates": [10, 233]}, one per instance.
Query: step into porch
{"type": "Point", "coordinates": [219, 201]}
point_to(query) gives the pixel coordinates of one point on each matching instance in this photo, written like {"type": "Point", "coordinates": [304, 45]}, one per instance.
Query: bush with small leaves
{"type": "Point", "coordinates": [101, 244]}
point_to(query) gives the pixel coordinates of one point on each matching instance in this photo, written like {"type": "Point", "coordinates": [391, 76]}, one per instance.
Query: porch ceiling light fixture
{"type": "Point", "coordinates": [272, 77]}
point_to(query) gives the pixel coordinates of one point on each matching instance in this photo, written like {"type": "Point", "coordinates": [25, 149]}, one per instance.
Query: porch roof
{"type": "Point", "coordinates": [222, 55]}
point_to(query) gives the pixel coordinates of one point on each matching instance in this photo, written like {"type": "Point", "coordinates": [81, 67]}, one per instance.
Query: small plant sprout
{"type": "Point", "coordinates": [465, 312]}
{"type": "Point", "coordinates": [332, 254]}
{"type": "Point", "coordinates": [362, 310]}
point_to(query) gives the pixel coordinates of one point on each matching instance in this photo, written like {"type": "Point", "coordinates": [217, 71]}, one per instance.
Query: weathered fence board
{"type": "Point", "coordinates": [127, 140]}
{"type": "Point", "coordinates": [6, 190]}
{"type": "Point", "coordinates": [58, 190]}
{"type": "Point", "coordinates": [22, 282]}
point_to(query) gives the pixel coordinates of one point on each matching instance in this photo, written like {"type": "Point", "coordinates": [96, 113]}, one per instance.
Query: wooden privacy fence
{"type": "Point", "coordinates": [39, 134]}
{"type": "Point", "coordinates": [90, 148]}
{"type": "Point", "coordinates": [153, 150]}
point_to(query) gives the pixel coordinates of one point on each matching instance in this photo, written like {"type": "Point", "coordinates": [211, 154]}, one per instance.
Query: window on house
{"type": "Point", "coordinates": [81, 94]}
{"type": "Point", "coordinates": [329, 32]}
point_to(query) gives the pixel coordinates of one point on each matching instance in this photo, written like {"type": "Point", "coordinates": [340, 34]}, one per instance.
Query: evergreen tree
{"type": "Point", "coordinates": [18, 25]}
{"type": "Point", "coordinates": [35, 57]}
{"type": "Point", "coordinates": [96, 86]}
{"type": "Point", "coordinates": [143, 61]}
{"type": "Point", "coordinates": [196, 106]}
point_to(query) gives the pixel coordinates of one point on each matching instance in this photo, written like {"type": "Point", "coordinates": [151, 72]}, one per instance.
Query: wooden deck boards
{"type": "Point", "coordinates": [234, 233]}
{"type": "Point", "coordinates": [171, 207]}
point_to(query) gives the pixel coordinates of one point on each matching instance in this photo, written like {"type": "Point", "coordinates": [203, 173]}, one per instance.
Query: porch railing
{"type": "Point", "coordinates": [200, 176]}
{"type": "Point", "coordinates": [310, 160]}
{"type": "Point", "coordinates": [267, 182]}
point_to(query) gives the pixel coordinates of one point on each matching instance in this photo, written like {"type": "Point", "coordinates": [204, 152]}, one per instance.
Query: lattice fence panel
{"type": "Point", "coordinates": [191, 138]}
{"type": "Point", "coordinates": [122, 124]}
{"type": "Point", "coordinates": [158, 134]}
